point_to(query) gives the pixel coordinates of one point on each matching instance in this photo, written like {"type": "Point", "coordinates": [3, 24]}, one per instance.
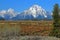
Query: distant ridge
{"type": "Point", "coordinates": [35, 12]}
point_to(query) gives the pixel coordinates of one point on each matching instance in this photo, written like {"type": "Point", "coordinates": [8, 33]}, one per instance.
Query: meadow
{"type": "Point", "coordinates": [23, 28]}
{"type": "Point", "coordinates": [26, 30]}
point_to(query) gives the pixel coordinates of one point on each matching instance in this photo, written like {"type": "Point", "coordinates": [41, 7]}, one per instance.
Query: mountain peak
{"type": "Point", "coordinates": [36, 10]}
{"type": "Point", "coordinates": [36, 7]}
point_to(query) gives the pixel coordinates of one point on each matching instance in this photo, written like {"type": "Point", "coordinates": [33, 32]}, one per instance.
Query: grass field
{"type": "Point", "coordinates": [26, 27]}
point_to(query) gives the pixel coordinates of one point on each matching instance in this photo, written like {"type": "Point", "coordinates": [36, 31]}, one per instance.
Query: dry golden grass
{"type": "Point", "coordinates": [27, 27]}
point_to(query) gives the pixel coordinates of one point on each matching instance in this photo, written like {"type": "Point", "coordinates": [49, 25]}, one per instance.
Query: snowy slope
{"type": "Point", "coordinates": [35, 11]}
{"type": "Point", "coordinates": [8, 14]}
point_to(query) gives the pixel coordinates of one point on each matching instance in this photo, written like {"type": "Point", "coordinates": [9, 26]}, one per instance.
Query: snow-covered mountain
{"type": "Point", "coordinates": [8, 14]}
{"type": "Point", "coordinates": [34, 12]}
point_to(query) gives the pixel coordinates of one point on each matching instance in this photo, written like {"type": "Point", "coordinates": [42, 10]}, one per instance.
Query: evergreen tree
{"type": "Point", "coordinates": [56, 15]}
{"type": "Point", "coordinates": [56, 23]}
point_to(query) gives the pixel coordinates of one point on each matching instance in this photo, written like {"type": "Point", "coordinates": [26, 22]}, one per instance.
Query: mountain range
{"type": "Point", "coordinates": [35, 12]}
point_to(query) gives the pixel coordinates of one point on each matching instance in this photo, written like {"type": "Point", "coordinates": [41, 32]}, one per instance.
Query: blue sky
{"type": "Point", "coordinates": [21, 5]}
